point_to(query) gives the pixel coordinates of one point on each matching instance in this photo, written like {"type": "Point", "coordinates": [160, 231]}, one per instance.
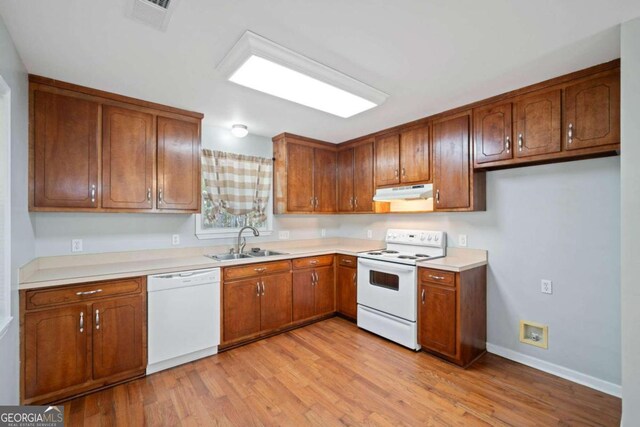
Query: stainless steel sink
{"type": "Point", "coordinates": [265, 252]}
{"type": "Point", "coordinates": [227, 257]}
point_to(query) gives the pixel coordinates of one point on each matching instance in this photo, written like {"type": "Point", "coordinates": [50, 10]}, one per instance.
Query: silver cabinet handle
{"type": "Point", "coordinates": [438, 196]}
{"type": "Point", "coordinates": [404, 173]}
{"type": "Point", "coordinates": [355, 279]}
{"type": "Point", "coordinates": [351, 202]}
{"type": "Point", "coordinates": [355, 202]}
{"type": "Point", "coordinates": [96, 291]}
{"type": "Point", "coordinates": [395, 172]}
{"type": "Point", "coordinates": [520, 139]}
{"type": "Point", "coordinates": [258, 288]}
{"type": "Point", "coordinates": [93, 193]}
{"type": "Point", "coordinates": [317, 202]}
{"type": "Point", "coordinates": [160, 196]}
{"type": "Point", "coordinates": [262, 287]}
{"type": "Point", "coordinates": [149, 194]}
{"type": "Point", "coordinates": [570, 133]}
{"type": "Point", "coordinates": [311, 202]}
{"type": "Point", "coordinates": [507, 144]}
{"type": "Point", "coordinates": [260, 269]}
{"type": "Point", "coordinates": [81, 321]}
{"type": "Point", "coordinates": [313, 262]}
{"type": "Point", "coordinates": [348, 261]}
{"type": "Point", "coordinates": [97, 319]}
{"type": "Point", "coordinates": [431, 276]}
{"type": "Point", "coordinates": [423, 296]}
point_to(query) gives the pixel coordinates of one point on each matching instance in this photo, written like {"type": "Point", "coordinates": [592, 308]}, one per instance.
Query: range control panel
{"type": "Point", "coordinates": [417, 237]}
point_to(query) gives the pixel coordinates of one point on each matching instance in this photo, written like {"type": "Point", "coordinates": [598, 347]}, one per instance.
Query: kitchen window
{"type": "Point", "coordinates": [236, 192]}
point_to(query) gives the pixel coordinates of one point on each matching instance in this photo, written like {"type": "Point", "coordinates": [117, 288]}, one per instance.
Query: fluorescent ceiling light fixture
{"type": "Point", "coordinates": [239, 131]}
{"type": "Point", "coordinates": [260, 64]}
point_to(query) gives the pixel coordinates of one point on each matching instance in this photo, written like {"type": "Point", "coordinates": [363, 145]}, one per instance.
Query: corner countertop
{"type": "Point", "coordinates": [66, 270]}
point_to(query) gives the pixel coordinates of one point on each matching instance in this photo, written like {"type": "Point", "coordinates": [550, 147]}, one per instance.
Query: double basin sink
{"type": "Point", "coordinates": [252, 254]}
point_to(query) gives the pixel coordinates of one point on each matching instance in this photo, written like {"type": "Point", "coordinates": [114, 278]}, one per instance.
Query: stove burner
{"type": "Point", "coordinates": [388, 251]}
{"type": "Point", "coordinates": [407, 257]}
{"type": "Point", "coordinates": [422, 256]}
{"type": "Point", "coordinates": [374, 253]}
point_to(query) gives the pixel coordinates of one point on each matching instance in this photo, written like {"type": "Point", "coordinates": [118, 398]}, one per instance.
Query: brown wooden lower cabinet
{"type": "Point", "coordinates": [313, 292]}
{"type": "Point", "coordinates": [452, 313]}
{"type": "Point", "coordinates": [347, 286]}
{"type": "Point", "coordinates": [68, 348]}
{"type": "Point", "coordinates": [257, 304]}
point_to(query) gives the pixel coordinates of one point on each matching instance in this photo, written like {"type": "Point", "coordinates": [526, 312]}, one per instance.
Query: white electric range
{"type": "Point", "coordinates": [388, 283]}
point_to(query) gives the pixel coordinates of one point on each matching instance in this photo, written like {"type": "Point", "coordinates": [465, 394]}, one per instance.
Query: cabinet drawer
{"type": "Point", "coordinates": [242, 271]}
{"type": "Point", "coordinates": [85, 292]}
{"type": "Point", "coordinates": [313, 261]}
{"type": "Point", "coordinates": [438, 276]}
{"type": "Point", "coordinates": [347, 261]}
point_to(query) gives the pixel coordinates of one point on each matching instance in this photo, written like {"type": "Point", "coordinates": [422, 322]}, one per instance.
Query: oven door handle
{"type": "Point", "coordinates": [387, 266]}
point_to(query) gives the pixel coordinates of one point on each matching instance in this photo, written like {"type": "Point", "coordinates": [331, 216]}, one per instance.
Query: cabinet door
{"type": "Point", "coordinates": [346, 284]}
{"type": "Point", "coordinates": [538, 124]}
{"type": "Point", "coordinates": [345, 180]}
{"type": "Point", "coordinates": [325, 294]}
{"type": "Point", "coordinates": [275, 301]}
{"type": "Point", "coordinates": [438, 319]}
{"type": "Point", "coordinates": [55, 352]}
{"type": "Point", "coordinates": [65, 144]}
{"type": "Point", "coordinates": [388, 160]}
{"type": "Point", "coordinates": [241, 308]}
{"type": "Point", "coordinates": [178, 164]}
{"type": "Point", "coordinates": [592, 113]}
{"type": "Point", "coordinates": [452, 175]}
{"type": "Point", "coordinates": [493, 138]}
{"type": "Point", "coordinates": [118, 329]}
{"type": "Point", "coordinates": [415, 161]}
{"type": "Point", "coordinates": [324, 179]}
{"type": "Point", "coordinates": [299, 178]}
{"type": "Point", "coordinates": [363, 178]}
{"type": "Point", "coordinates": [303, 294]}
{"type": "Point", "coordinates": [128, 149]}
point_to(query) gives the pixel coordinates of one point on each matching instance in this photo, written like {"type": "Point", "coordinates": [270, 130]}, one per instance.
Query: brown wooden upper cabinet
{"type": "Point", "coordinates": [304, 179]}
{"type": "Point", "coordinates": [95, 151]}
{"type": "Point", "coordinates": [592, 112]}
{"type": "Point", "coordinates": [403, 158]}
{"type": "Point", "coordinates": [572, 116]}
{"type": "Point", "coordinates": [355, 178]}
{"type": "Point", "coordinates": [456, 187]}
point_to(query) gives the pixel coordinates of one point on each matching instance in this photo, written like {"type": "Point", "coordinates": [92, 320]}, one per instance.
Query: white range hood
{"type": "Point", "coordinates": [409, 192]}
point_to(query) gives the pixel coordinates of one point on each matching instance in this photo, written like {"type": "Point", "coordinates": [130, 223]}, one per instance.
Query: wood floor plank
{"type": "Point", "coordinates": [332, 373]}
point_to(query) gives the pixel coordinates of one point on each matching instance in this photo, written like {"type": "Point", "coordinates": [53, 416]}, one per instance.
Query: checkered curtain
{"type": "Point", "coordinates": [235, 183]}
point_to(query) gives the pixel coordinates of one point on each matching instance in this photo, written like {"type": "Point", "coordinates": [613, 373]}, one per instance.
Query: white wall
{"type": "Point", "coordinates": [630, 177]}
{"type": "Point", "coordinates": [123, 232]}
{"type": "Point", "coordinates": [559, 222]}
{"type": "Point", "coordinates": [22, 240]}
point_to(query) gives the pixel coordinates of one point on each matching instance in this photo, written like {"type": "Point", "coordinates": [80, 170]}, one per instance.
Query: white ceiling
{"type": "Point", "coordinates": [428, 55]}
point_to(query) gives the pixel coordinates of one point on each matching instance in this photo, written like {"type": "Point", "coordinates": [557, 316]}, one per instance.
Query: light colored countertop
{"type": "Point", "coordinates": [64, 270]}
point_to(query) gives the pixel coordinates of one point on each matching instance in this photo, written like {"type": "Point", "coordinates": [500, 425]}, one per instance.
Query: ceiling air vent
{"type": "Point", "coordinates": [155, 13]}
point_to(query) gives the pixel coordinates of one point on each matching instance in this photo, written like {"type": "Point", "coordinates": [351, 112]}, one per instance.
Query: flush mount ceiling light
{"type": "Point", "coordinates": [263, 65]}
{"type": "Point", "coordinates": [239, 131]}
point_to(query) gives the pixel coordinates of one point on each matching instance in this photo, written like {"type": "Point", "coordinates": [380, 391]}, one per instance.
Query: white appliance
{"type": "Point", "coordinates": [408, 192]}
{"type": "Point", "coordinates": [183, 317]}
{"type": "Point", "coordinates": [388, 283]}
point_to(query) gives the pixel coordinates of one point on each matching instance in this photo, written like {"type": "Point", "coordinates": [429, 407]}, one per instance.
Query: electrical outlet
{"type": "Point", "coordinates": [175, 239]}
{"type": "Point", "coordinates": [76, 245]}
{"type": "Point", "coordinates": [462, 240]}
{"type": "Point", "coordinates": [283, 235]}
{"type": "Point", "coordinates": [546, 286]}
{"type": "Point", "coordinates": [323, 232]}
{"type": "Point", "coordinates": [369, 234]}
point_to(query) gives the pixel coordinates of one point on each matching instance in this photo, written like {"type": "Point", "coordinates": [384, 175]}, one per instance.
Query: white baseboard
{"type": "Point", "coordinates": [557, 370]}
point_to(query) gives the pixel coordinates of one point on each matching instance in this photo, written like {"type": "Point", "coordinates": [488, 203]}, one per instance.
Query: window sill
{"type": "Point", "coordinates": [4, 326]}
{"type": "Point", "coordinates": [226, 235]}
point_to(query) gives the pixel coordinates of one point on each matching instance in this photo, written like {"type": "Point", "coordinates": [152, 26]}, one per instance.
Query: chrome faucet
{"type": "Point", "coordinates": [241, 244]}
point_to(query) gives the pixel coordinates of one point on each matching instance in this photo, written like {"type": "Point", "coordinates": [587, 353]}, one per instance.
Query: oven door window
{"type": "Point", "coordinates": [384, 280]}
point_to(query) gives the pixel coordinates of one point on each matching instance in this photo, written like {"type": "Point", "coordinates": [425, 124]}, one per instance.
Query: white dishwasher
{"type": "Point", "coordinates": [183, 317]}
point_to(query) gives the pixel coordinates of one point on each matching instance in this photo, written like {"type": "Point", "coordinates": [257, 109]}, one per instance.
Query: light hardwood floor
{"type": "Point", "coordinates": [332, 373]}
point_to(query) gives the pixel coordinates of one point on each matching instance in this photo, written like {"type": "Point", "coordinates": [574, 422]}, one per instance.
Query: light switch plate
{"type": "Point", "coordinates": [462, 240]}
{"type": "Point", "coordinates": [283, 235]}
{"type": "Point", "coordinates": [323, 232]}
{"type": "Point", "coordinates": [369, 234]}
{"type": "Point", "coordinates": [546, 286]}
{"type": "Point", "coordinates": [175, 239]}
